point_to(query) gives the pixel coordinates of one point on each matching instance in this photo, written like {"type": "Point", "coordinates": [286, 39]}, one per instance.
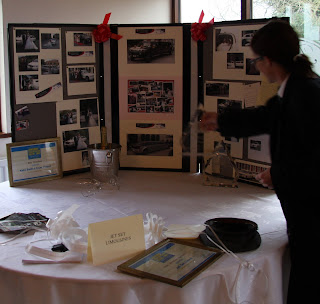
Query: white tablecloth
{"type": "Point", "coordinates": [180, 198]}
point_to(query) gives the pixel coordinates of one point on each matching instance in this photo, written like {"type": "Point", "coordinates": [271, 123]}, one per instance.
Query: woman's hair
{"type": "Point", "coordinates": [278, 41]}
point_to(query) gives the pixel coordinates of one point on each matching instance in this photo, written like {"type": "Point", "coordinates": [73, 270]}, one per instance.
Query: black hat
{"type": "Point", "coordinates": [238, 235]}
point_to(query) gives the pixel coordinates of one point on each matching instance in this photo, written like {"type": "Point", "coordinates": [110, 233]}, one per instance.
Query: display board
{"type": "Point", "coordinates": [231, 80]}
{"type": "Point", "coordinates": [151, 99]}
{"type": "Point", "coordinates": [56, 87]}
{"type": "Point", "coordinates": [57, 90]}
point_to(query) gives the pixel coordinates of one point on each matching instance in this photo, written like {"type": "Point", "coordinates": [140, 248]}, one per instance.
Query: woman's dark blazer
{"type": "Point", "coordinates": [293, 123]}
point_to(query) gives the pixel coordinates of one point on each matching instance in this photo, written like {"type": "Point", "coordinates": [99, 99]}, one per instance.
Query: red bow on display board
{"type": "Point", "coordinates": [198, 29]}
{"type": "Point", "coordinates": [103, 33]}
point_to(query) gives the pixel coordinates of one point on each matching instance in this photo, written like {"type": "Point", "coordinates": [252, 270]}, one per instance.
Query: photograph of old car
{"type": "Point", "coordinates": [28, 63]}
{"type": "Point", "coordinates": [81, 74]}
{"type": "Point", "coordinates": [22, 111]}
{"type": "Point", "coordinates": [50, 66]}
{"type": "Point", "coordinates": [82, 39]}
{"type": "Point", "coordinates": [151, 51]}
{"type": "Point", "coordinates": [217, 89]}
{"type": "Point", "coordinates": [255, 145]}
{"type": "Point", "coordinates": [247, 37]}
{"type": "Point", "coordinates": [150, 144]}
{"type": "Point", "coordinates": [235, 61]}
{"type": "Point", "coordinates": [50, 41]}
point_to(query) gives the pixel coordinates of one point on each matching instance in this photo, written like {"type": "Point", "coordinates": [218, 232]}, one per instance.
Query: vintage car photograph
{"type": "Point", "coordinates": [150, 144]}
{"type": "Point", "coordinates": [50, 41]}
{"type": "Point", "coordinates": [50, 66]}
{"type": "Point", "coordinates": [151, 51]}
{"type": "Point", "coordinates": [28, 63]}
{"type": "Point", "coordinates": [81, 74]}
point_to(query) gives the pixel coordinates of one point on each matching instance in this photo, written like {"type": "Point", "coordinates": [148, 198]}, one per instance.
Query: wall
{"type": "Point", "coordinates": [74, 12]}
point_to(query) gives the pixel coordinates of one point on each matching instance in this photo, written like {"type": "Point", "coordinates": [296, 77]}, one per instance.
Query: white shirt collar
{"type": "Point", "coordinates": [283, 87]}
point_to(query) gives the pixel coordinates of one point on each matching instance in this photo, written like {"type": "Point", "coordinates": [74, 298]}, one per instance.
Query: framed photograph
{"type": "Point", "coordinates": [172, 261]}
{"type": "Point", "coordinates": [34, 161]}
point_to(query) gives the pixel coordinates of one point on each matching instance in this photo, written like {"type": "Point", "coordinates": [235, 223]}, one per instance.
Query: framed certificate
{"type": "Point", "coordinates": [172, 261]}
{"type": "Point", "coordinates": [34, 161]}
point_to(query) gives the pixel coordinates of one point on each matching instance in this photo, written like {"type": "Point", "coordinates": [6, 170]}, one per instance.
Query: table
{"type": "Point", "coordinates": [179, 198]}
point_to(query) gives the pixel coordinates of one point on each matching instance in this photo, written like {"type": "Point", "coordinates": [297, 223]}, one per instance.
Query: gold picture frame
{"type": "Point", "coordinates": [34, 161]}
{"type": "Point", "coordinates": [172, 261]}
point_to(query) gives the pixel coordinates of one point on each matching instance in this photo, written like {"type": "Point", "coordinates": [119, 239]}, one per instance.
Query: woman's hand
{"type": "Point", "coordinates": [209, 121]}
{"type": "Point", "coordinates": [265, 178]}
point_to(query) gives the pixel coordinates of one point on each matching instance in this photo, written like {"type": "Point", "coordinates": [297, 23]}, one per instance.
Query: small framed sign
{"type": "Point", "coordinates": [172, 261]}
{"type": "Point", "coordinates": [34, 161]}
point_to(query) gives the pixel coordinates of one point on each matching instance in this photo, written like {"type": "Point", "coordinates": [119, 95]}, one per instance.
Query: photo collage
{"type": "Point", "coordinates": [150, 96]}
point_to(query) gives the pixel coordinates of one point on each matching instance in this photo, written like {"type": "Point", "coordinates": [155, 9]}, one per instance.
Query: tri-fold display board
{"type": "Point", "coordinates": [58, 83]}
{"type": "Point", "coordinates": [55, 88]}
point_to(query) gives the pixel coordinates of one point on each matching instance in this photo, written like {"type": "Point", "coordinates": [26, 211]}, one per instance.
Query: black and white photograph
{"type": "Point", "coordinates": [80, 54]}
{"type": "Point", "coordinates": [151, 51]}
{"type": "Point", "coordinates": [223, 104]}
{"type": "Point", "coordinates": [258, 148]}
{"type": "Point", "coordinates": [150, 96]}
{"type": "Point", "coordinates": [150, 31]}
{"type": "Point", "coordinates": [68, 117]}
{"type": "Point", "coordinates": [81, 74]}
{"type": "Point", "coordinates": [50, 41]}
{"type": "Point", "coordinates": [28, 82]}
{"type": "Point", "coordinates": [22, 111]}
{"type": "Point", "coordinates": [75, 140]}
{"type": "Point", "coordinates": [82, 39]}
{"type": "Point", "coordinates": [89, 113]}
{"type": "Point", "coordinates": [27, 41]}
{"type": "Point", "coordinates": [251, 67]}
{"type": "Point", "coordinates": [150, 125]}
{"type": "Point", "coordinates": [28, 63]}
{"type": "Point", "coordinates": [150, 144]}
{"type": "Point", "coordinates": [22, 125]}
{"type": "Point", "coordinates": [226, 40]}
{"type": "Point", "coordinates": [255, 145]}
{"type": "Point", "coordinates": [235, 61]}
{"type": "Point", "coordinates": [217, 89]}
{"type": "Point", "coordinates": [247, 37]}
{"type": "Point", "coordinates": [50, 66]}
{"type": "Point", "coordinates": [85, 159]}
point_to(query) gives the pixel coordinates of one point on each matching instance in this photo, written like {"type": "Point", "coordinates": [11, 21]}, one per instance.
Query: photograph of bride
{"type": "Point", "coordinates": [27, 41]}
{"type": "Point", "coordinates": [89, 113]}
{"type": "Point", "coordinates": [75, 140]}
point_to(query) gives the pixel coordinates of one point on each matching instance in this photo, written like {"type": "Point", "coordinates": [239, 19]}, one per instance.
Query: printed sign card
{"type": "Point", "coordinates": [114, 240]}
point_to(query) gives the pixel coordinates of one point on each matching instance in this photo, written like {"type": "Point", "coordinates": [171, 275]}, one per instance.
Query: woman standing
{"type": "Point", "coordinates": [292, 120]}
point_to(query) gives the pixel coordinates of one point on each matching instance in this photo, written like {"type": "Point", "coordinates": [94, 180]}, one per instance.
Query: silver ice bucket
{"type": "Point", "coordinates": [104, 162]}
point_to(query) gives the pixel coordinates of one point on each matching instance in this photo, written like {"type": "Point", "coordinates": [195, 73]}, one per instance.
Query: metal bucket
{"type": "Point", "coordinates": [104, 162]}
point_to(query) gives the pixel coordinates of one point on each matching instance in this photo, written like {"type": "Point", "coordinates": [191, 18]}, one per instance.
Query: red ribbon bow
{"type": "Point", "coordinates": [103, 33]}
{"type": "Point", "coordinates": [198, 29]}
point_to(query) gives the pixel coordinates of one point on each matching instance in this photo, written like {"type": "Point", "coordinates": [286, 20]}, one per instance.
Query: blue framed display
{"type": "Point", "coordinates": [172, 261]}
{"type": "Point", "coordinates": [34, 161]}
